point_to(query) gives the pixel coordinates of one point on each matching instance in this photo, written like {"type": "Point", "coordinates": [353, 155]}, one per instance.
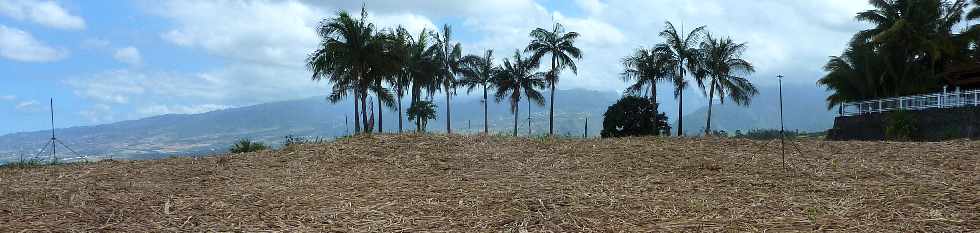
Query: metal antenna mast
{"type": "Point", "coordinates": [53, 142]}
{"type": "Point", "coordinates": [782, 128]}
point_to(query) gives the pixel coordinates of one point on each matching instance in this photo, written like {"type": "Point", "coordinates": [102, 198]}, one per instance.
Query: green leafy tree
{"type": "Point", "coordinates": [680, 53]}
{"type": "Point", "coordinates": [560, 47]}
{"type": "Point", "coordinates": [422, 112]}
{"type": "Point", "coordinates": [519, 77]}
{"type": "Point", "coordinates": [246, 146]}
{"type": "Point", "coordinates": [721, 62]}
{"type": "Point", "coordinates": [634, 116]}
{"type": "Point", "coordinates": [478, 72]}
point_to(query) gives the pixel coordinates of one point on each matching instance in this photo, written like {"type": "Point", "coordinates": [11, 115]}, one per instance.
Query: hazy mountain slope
{"type": "Point", "coordinates": [215, 131]}
{"type": "Point", "coordinates": [804, 109]}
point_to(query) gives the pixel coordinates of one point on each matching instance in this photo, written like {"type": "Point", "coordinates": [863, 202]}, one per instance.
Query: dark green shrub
{"type": "Point", "coordinates": [634, 116]}
{"type": "Point", "coordinates": [247, 145]}
{"type": "Point", "coordinates": [900, 126]}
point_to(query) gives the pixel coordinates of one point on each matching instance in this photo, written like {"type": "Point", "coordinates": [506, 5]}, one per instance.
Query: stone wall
{"type": "Point", "coordinates": [929, 125]}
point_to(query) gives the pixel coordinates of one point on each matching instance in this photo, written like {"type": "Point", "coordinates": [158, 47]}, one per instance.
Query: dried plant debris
{"type": "Point", "coordinates": [412, 183]}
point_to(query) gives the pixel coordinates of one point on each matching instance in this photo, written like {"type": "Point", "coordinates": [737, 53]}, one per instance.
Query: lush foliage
{"type": "Point", "coordinates": [906, 50]}
{"type": "Point", "coordinates": [634, 116]}
{"type": "Point", "coordinates": [900, 126]}
{"type": "Point", "coordinates": [422, 112]}
{"type": "Point", "coordinates": [246, 146]}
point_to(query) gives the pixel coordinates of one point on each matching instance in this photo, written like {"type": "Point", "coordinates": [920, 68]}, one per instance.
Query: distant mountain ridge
{"type": "Point", "coordinates": [205, 133]}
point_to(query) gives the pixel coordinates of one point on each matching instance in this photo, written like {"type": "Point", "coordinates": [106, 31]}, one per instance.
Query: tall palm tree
{"type": "Point", "coordinates": [449, 55]}
{"type": "Point", "coordinates": [723, 66]}
{"type": "Point", "coordinates": [478, 72]}
{"type": "Point", "coordinates": [422, 69]}
{"type": "Point", "coordinates": [519, 77]}
{"type": "Point", "coordinates": [343, 57]}
{"type": "Point", "coordinates": [560, 46]}
{"type": "Point", "coordinates": [681, 50]}
{"type": "Point", "coordinates": [401, 44]}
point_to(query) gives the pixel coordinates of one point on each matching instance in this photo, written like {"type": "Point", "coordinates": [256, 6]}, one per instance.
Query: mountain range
{"type": "Point", "coordinates": [211, 132]}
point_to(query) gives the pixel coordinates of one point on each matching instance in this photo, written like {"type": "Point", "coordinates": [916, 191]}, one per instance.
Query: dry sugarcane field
{"type": "Point", "coordinates": [438, 183]}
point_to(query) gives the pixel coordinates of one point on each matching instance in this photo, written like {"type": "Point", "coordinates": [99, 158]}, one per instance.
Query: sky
{"type": "Point", "coordinates": [110, 61]}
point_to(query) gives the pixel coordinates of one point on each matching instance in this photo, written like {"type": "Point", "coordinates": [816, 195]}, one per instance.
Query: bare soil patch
{"type": "Point", "coordinates": [489, 184]}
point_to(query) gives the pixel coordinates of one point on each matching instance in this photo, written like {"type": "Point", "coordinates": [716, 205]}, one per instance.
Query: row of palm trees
{"type": "Point", "coordinates": [909, 46]}
{"type": "Point", "coordinates": [714, 64]}
{"type": "Point", "coordinates": [362, 61]}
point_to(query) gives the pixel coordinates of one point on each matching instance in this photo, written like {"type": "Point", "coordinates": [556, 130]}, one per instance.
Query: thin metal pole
{"type": "Point", "coordinates": [346, 126]}
{"type": "Point", "coordinates": [782, 128]}
{"type": "Point", "coordinates": [54, 147]}
{"type": "Point", "coordinates": [586, 128]}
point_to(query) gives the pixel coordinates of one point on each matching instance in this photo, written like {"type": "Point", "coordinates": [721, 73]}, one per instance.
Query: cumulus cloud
{"type": "Point", "coordinates": [18, 45]}
{"type": "Point", "coordinates": [268, 33]}
{"type": "Point", "coordinates": [129, 55]}
{"type": "Point", "coordinates": [47, 13]}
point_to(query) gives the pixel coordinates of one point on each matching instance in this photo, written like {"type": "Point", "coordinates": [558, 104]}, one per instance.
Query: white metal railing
{"type": "Point", "coordinates": [945, 99]}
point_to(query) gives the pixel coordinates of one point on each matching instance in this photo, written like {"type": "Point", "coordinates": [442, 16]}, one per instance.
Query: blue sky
{"type": "Point", "coordinates": [108, 61]}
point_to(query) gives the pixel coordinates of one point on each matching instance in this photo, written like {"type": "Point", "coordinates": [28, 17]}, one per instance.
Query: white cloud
{"type": "Point", "coordinates": [47, 13]}
{"type": "Point", "coordinates": [8, 98]}
{"type": "Point", "coordinates": [98, 113]}
{"type": "Point", "coordinates": [18, 45]}
{"type": "Point", "coordinates": [154, 110]}
{"type": "Point", "coordinates": [129, 55]}
{"type": "Point", "coordinates": [29, 105]}
{"type": "Point", "coordinates": [268, 33]}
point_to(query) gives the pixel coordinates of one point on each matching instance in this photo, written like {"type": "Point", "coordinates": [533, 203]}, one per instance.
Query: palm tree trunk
{"type": "Point", "coordinates": [680, 113]}
{"type": "Point", "coordinates": [486, 127]}
{"type": "Point", "coordinates": [517, 109]}
{"type": "Point", "coordinates": [400, 110]}
{"type": "Point", "coordinates": [711, 97]}
{"type": "Point", "coordinates": [551, 112]}
{"type": "Point", "coordinates": [449, 118]}
{"type": "Point", "coordinates": [357, 120]}
{"type": "Point", "coordinates": [364, 116]}
{"type": "Point", "coordinates": [381, 124]}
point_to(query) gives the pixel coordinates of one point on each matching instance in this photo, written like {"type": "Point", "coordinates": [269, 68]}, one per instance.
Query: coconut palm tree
{"type": "Point", "coordinates": [478, 72]}
{"type": "Point", "coordinates": [343, 57]}
{"type": "Point", "coordinates": [519, 77]}
{"type": "Point", "coordinates": [560, 47]}
{"type": "Point", "coordinates": [449, 55]}
{"type": "Point", "coordinates": [681, 50]}
{"type": "Point", "coordinates": [723, 66]}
